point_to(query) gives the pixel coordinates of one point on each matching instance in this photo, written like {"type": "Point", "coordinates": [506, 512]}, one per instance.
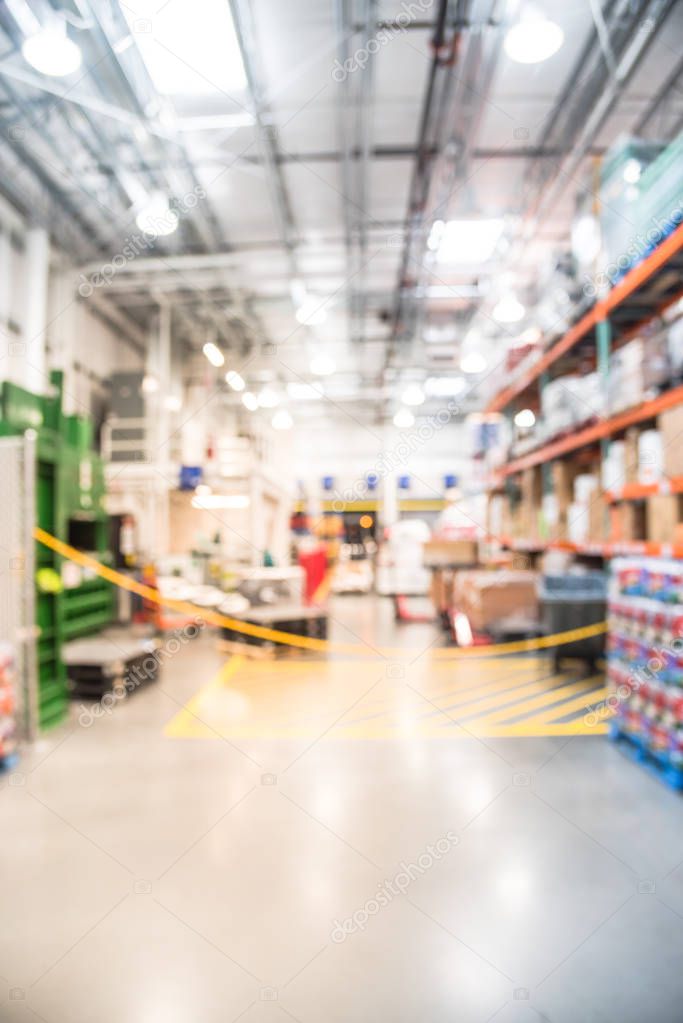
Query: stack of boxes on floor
{"type": "Point", "coordinates": [645, 658]}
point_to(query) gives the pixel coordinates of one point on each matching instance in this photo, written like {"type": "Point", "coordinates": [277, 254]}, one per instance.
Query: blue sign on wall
{"type": "Point", "coordinates": [450, 480]}
{"type": "Point", "coordinates": [190, 476]}
{"type": "Point", "coordinates": [372, 479]}
{"type": "Point", "coordinates": [404, 483]}
{"type": "Point", "coordinates": [328, 482]}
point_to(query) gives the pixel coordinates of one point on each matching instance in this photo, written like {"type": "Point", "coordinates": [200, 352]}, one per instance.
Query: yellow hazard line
{"type": "Point", "coordinates": [545, 697]}
{"type": "Point", "coordinates": [65, 550]}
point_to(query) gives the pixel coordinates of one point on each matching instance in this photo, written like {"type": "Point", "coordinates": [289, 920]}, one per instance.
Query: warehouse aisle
{"type": "Point", "coordinates": [353, 840]}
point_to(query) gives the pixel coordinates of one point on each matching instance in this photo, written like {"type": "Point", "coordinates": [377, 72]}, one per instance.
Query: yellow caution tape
{"type": "Point", "coordinates": [304, 642]}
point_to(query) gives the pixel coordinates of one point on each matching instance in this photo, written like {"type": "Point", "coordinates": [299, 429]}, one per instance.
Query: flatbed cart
{"type": "Point", "coordinates": [111, 662]}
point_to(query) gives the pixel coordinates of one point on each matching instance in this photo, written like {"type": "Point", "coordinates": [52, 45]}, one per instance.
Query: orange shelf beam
{"type": "Point", "coordinates": [625, 548]}
{"type": "Point", "coordinates": [600, 311]}
{"type": "Point", "coordinates": [593, 434]}
{"type": "Point", "coordinates": [639, 491]}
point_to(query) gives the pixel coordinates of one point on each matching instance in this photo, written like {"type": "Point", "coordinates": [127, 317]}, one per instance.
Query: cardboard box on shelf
{"type": "Point", "coordinates": [444, 553]}
{"type": "Point", "coordinates": [650, 456]}
{"type": "Point", "coordinates": [490, 598]}
{"type": "Point", "coordinates": [671, 427]}
{"type": "Point", "coordinates": [598, 520]}
{"type": "Point", "coordinates": [631, 455]}
{"type": "Point", "coordinates": [564, 472]}
{"type": "Point", "coordinates": [664, 515]}
{"type": "Point", "coordinates": [631, 521]}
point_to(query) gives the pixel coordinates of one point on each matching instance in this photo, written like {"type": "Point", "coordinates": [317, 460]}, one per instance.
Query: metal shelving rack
{"type": "Point", "coordinates": [644, 293]}
{"type": "Point", "coordinates": [69, 483]}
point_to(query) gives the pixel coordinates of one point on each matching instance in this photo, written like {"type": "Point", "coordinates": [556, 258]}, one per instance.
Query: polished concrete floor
{"type": "Point", "coordinates": [369, 839]}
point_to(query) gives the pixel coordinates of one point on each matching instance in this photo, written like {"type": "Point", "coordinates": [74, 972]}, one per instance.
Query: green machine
{"type": "Point", "coordinates": [70, 490]}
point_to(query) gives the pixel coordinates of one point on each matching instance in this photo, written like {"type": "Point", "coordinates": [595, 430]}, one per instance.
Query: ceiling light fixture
{"type": "Point", "coordinates": [311, 312]}
{"type": "Point", "coordinates": [173, 403]}
{"type": "Point", "coordinates": [322, 366]}
{"type": "Point", "coordinates": [413, 395]}
{"type": "Point", "coordinates": [404, 419]}
{"type": "Point", "coordinates": [268, 398]}
{"type": "Point", "coordinates": [473, 363]}
{"type": "Point", "coordinates": [282, 420]}
{"type": "Point", "coordinates": [632, 171]}
{"type": "Point", "coordinates": [525, 419]}
{"type": "Point", "coordinates": [233, 378]}
{"type": "Point", "coordinates": [156, 216]}
{"type": "Point", "coordinates": [150, 384]}
{"type": "Point", "coordinates": [195, 56]}
{"type": "Point", "coordinates": [50, 50]}
{"type": "Point", "coordinates": [533, 39]}
{"type": "Point", "coordinates": [213, 354]}
{"type": "Point", "coordinates": [469, 241]}
{"type": "Point", "coordinates": [435, 235]}
{"type": "Point", "coordinates": [508, 310]}
{"type": "Point", "coordinates": [250, 401]}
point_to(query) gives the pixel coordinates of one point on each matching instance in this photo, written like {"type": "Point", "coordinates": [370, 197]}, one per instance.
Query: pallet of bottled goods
{"type": "Point", "coordinates": [8, 740]}
{"type": "Point", "coordinates": [645, 663]}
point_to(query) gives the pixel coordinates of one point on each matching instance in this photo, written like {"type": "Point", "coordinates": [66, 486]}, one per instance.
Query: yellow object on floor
{"type": "Point", "coordinates": [426, 699]}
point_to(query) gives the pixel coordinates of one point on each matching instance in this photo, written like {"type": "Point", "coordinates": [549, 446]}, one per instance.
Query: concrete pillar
{"type": "Point", "coordinates": [34, 320]}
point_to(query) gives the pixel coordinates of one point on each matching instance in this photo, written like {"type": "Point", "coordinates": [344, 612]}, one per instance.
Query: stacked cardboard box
{"type": "Point", "coordinates": [664, 516]}
{"type": "Point", "coordinates": [671, 427]}
{"type": "Point", "coordinates": [492, 599]}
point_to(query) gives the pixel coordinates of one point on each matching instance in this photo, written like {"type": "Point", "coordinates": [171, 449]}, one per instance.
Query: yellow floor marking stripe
{"type": "Point", "coordinates": [377, 707]}
{"type": "Point", "coordinates": [503, 696]}
{"type": "Point", "coordinates": [542, 700]}
{"type": "Point", "coordinates": [580, 703]}
{"type": "Point", "coordinates": [446, 675]}
{"type": "Point", "coordinates": [533, 730]}
{"type": "Point", "coordinates": [186, 723]}
{"type": "Point", "coordinates": [490, 688]}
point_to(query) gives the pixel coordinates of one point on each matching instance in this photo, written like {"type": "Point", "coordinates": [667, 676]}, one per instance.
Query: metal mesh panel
{"type": "Point", "coordinates": [17, 600]}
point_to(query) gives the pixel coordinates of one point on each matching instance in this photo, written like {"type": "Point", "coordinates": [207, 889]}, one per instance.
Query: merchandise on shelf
{"type": "Point", "coordinates": [650, 456]}
{"type": "Point", "coordinates": [570, 401]}
{"type": "Point", "coordinates": [492, 600]}
{"type": "Point", "coordinates": [671, 426]}
{"type": "Point", "coordinates": [645, 655]}
{"type": "Point", "coordinates": [625, 381]}
{"type": "Point", "coordinates": [623, 182]}
{"type": "Point", "coordinates": [8, 738]}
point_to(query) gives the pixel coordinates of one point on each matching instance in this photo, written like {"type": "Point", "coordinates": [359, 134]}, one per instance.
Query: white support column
{"type": "Point", "coordinates": [34, 320]}
{"type": "Point", "coordinates": [5, 293]}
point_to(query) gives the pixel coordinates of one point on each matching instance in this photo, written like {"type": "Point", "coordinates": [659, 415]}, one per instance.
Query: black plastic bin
{"type": "Point", "coordinates": [573, 602]}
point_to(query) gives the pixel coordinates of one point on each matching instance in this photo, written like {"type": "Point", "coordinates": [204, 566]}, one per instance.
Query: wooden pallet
{"type": "Point", "coordinates": [656, 763]}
